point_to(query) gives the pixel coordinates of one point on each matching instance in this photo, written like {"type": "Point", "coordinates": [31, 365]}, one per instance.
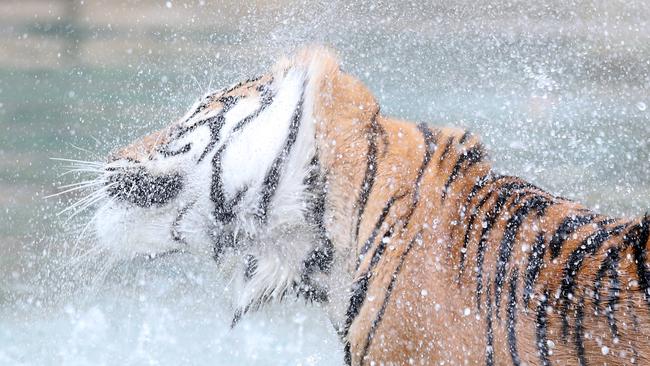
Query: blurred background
{"type": "Point", "coordinates": [559, 91]}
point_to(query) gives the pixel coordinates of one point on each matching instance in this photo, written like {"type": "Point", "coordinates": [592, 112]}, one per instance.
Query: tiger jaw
{"type": "Point", "coordinates": [127, 231]}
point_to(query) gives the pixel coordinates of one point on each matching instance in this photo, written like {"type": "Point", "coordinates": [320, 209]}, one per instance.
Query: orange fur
{"type": "Point", "coordinates": [420, 308]}
{"type": "Point", "coordinates": [425, 319]}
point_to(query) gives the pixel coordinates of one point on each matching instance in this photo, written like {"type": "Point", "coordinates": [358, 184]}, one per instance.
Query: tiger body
{"type": "Point", "coordinates": [416, 249]}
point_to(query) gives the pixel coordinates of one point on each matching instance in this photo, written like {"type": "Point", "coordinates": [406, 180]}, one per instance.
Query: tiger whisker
{"type": "Point", "coordinates": [95, 180]}
{"type": "Point", "coordinates": [81, 170]}
{"type": "Point", "coordinates": [71, 188]}
{"type": "Point", "coordinates": [81, 201]}
{"type": "Point", "coordinates": [100, 276]}
{"type": "Point", "coordinates": [85, 206]}
{"type": "Point", "coordinates": [92, 219]}
{"type": "Point", "coordinates": [84, 150]}
{"type": "Point", "coordinates": [76, 261]}
{"type": "Point", "coordinates": [89, 198]}
{"type": "Point", "coordinates": [91, 163]}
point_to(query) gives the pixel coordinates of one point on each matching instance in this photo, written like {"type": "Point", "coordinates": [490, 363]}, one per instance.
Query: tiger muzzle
{"type": "Point", "coordinates": [143, 189]}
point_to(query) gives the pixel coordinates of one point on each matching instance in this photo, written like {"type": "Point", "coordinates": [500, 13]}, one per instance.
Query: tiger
{"type": "Point", "coordinates": [298, 186]}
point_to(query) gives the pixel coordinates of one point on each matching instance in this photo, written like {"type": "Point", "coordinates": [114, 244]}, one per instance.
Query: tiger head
{"type": "Point", "coordinates": [242, 178]}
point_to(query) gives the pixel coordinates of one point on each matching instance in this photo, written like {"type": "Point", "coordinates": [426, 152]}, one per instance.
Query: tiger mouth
{"type": "Point", "coordinates": [142, 189]}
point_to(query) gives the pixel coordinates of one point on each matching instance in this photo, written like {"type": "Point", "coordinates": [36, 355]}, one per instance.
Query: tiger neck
{"type": "Point", "coordinates": [416, 175]}
{"type": "Point", "coordinates": [406, 180]}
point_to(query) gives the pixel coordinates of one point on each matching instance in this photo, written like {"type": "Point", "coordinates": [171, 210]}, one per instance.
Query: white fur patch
{"type": "Point", "coordinates": [284, 241]}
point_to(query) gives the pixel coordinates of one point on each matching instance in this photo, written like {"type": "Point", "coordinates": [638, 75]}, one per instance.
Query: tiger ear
{"type": "Point", "coordinates": [318, 62]}
{"type": "Point", "coordinates": [338, 99]}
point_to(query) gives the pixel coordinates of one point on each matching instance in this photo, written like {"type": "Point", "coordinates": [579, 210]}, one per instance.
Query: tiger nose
{"type": "Point", "coordinates": [142, 149]}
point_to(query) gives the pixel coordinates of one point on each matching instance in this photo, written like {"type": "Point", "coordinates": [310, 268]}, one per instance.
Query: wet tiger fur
{"type": "Point", "coordinates": [418, 251]}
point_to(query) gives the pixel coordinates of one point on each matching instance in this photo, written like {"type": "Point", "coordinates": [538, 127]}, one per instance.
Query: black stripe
{"type": "Point", "coordinates": [322, 256]}
{"type": "Point", "coordinates": [535, 262]}
{"type": "Point", "coordinates": [638, 239]}
{"type": "Point", "coordinates": [600, 275]}
{"type": "Point", "coordinates": [566, 228]}
{"type": "Point", "coordinates": [489, 339]}
{"type": "Point", "coordinates": [347, 355]}
{"type": "Point", "coordinates": [204, 104]}
{"type": "Point", "coordinates": [242, 83]}
{"type": "Point", "coordinates": [266, 99]}
{"type": "Point", "coordinates": [473, 155]}
{"type": "Point", "coordinates": [464, 138]}
{"type": "Point", "coordinates": [444, 153]}
{"type": "Point", "coordinates": [227, 101]}
{"type": "Point", "coordinates": [537, 203]}
{"type": "Point", "coordinates": [237, 317]}
{"type": "Point", "coordinates": [505, 191]}
{"type": "Point", "coordinates": [250, 266]}
{"type": "Point", "coordinates": [541, 325]}
{"type": "Point", "coordinates": [165, 152]}
{"type": "Point", "coordinates": [359, 290]}
{"type": "Point", "coordinates": [253, 305]}
{"type": "Point", "coordinates": [573, 264]}
{"type": "Point", "coordinates": [270, 184]}
{"type": "Point", "coordinates": [371, 171]}
{"type": "Point", "coordinates": [512, 319]}
{"type": "Point", "coordinates": [178, 131]}
{"type": "Point", "coordinates": [609, 265]}
{"type": "Point", "coordinates": [430, 142]}
{"type": "Point", "coordinates": [489, 178]}
{"type": "Point", "coordinates": [378, 318]}
{"type": "Point", "coordinates": [219, 243]}
{"type": "Point", "coordinates": [176, 235]}
{"type": "Point", "coordinates": [614, 294]}
{"type": "Point", "coordinates": [579, 333]}
{"type": "Point", "coordinates": [375, 231]}
{"type": "Point", "coordinates": [430, 147]}
{"type": "Point", "coordinates": [226, 212]}
{"type": "Point", "coordinates": [478, 185]}
{"type": "Point", "coordinates": [216, 123]}
{"type": "Point", "coordinates": [360, 286]}
{"type": "Point", "coordinates": [635, 325]}
{"type": "Point", "coordinates": [217, 195]}
{"type": "Point", "coordinates": [468, 231]}
{"type": "Point", "coordinates": [310, 291]}
{"type": "Point", "coordinates": [224, 209]}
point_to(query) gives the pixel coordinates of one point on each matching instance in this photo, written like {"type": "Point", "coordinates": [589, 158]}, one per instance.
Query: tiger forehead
{"type": "Point", "coordinates": [249, 88]}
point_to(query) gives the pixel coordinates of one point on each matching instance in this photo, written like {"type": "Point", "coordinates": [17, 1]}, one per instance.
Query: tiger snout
{"type": "Point", "coordinates": [142, 149]}
{"type": "Point", "coordinates": [143, 189]}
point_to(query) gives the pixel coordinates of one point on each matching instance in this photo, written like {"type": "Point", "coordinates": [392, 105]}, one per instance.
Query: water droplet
{"type": "Point", "coordinates": [641, 106]}
{"type": "Point", "coordinates": [550, 343]}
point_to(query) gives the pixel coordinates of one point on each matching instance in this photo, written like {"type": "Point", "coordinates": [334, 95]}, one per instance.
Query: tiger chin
{"type": "Point", "coordinates": [417, 250]}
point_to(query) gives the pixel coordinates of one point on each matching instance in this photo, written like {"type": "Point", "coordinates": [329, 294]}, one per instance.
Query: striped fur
{"type": "Point", "coordinates": [297, 185]}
